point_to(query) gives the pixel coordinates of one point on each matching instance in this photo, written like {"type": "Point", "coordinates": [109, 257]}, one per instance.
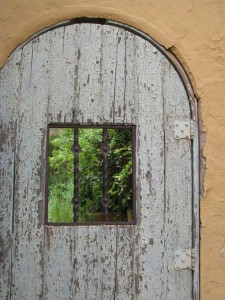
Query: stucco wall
{"type": "Point", "coordinates": [195, 31]}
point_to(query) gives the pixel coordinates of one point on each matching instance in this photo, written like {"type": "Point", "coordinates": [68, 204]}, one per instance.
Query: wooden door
{"type": "Point", "coordinates": [94, 74]}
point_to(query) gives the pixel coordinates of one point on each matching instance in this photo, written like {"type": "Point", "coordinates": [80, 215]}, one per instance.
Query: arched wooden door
{"type": "Point", "coordinates": [96, 74]}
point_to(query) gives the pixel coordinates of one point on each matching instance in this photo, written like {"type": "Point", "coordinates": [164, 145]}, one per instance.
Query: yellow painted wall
{"type": "Point", "coordinates": [195, 31]}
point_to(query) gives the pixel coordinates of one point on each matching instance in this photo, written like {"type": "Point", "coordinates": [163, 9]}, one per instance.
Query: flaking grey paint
{"type": "Point", "coordinates": [89, 74]}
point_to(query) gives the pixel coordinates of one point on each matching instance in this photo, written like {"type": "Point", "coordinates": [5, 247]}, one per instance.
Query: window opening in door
{"type": "Point", "coordinates": [91, 175]}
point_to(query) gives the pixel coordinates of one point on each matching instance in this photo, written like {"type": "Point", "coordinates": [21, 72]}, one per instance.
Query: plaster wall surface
{"type": "Point", "coordinates": [194, 30]}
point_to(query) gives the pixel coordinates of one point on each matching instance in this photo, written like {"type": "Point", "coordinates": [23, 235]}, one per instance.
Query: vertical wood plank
{"type": "Point", "coordinates": [150, 157]}
{"type": "Point", "coordinates": [96, 98]}
{"type": "Point", "coordinates": [63, 53]}
{"type": "Point", "coordinates": [178, 185]}
{"type": "Point", "coordinates": [80, 262]}
{"type": "Point", "coordinates": [69, 76]}
{"type": "Point", "coordinates": [125, 269]}
{"type": "Point", "coordinates": [120, 77]}
{"type": "Point", "coordinates": [59, 241]}
{"type": "Point", "coordinates": [131, 79]}
{"type": "Point", "coordinates": [108, 73]}
{"type": "Point", "coordinates": [58, 263]}
{"type": "Point", "coordinates": [89, 73]}
{"type": "Point", "coordinates": [27, 256]}
{"type": "Point", "coordinates": [94, 259]}
{"type": "Point", "coordinates": [108, 260]}
{"type": "Point", "coordinates": [9, 87]}
{"type": "Point", "coordinates": [125, 113]}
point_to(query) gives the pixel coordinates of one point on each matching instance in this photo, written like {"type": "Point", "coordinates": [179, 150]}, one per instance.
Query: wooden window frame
{"type": "Point", "coordinates": [97, 126]}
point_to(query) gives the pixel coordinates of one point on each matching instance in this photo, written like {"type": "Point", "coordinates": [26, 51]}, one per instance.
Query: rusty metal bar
{"type": "Point", "coordinates": [76, 199]}
{"type": "Point", "coordinates": [105, 151]}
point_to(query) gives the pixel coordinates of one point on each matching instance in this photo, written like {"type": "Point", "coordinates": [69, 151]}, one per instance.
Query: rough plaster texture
{"type": "Point", "coordinates": [195, 33]}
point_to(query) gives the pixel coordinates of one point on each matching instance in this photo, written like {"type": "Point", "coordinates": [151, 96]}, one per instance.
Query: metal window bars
{"type": "Point", "coordinates": [105, 149]}
{"type": "Point", "coordinates": [76, 150]}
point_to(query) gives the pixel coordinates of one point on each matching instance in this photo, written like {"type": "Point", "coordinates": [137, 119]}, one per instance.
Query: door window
{"type": "Point", "coordinates": [91, 174]}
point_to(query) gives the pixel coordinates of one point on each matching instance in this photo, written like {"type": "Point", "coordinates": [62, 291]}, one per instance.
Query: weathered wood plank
{"type": "Point", "coordinates": [69, 58]}
{"type": "Point", "coordinates": [96, 97]}
{"type": "Point", "coordinates": [108, 73]}
{"type": "Point", "coordinates": [89, 73]}
{"type": "Point", "coordinates": [150, 157]}
{"type": "Point", "coordinates": [94, 259]}
{"type": "Point", "coordinates": [125, 113]}
{"type": "Point", "coordinates": [9, 86]}
{"type": "Point", "coordinates": [178, 186]}
{"type": "Point", "coordinates": [120, 78]}
{"type": "Point", "coordinates": [131, 80]}
{"type": "Point", "coordinates": [80, 262]}
{"type": "Point", "coordinates": [58, 263]}
{"type": "Point", "coordinates": [59, 241]}
{"type": "Point", "coordinates": [27, 256]}
{"type": "Point", "coordinates": [61, 83]}
{"type": "Point", "coordinates": [107, 261]}
{"type": "Point", "coordinates": [125, 271]}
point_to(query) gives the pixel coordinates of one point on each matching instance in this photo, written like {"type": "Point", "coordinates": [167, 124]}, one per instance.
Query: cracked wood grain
{"type": "Point", "coordinates": [8, 119]}
{"type": "Point", "coordinates": [95, 74]}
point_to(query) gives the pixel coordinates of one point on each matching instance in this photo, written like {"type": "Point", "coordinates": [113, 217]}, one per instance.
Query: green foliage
{"type": "Point", "coordinates": [90, 173]}
{"type": "Point", "coordinates": [120, 171]}
{"type": "Point", "coordinates": [60, 178]}
{"type": "Point", "coordinates": [61, 174]}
